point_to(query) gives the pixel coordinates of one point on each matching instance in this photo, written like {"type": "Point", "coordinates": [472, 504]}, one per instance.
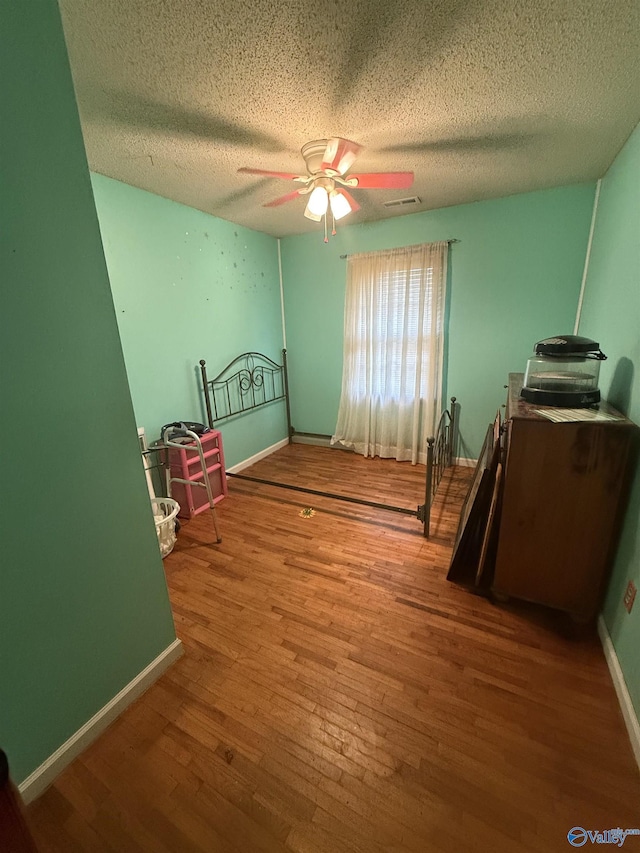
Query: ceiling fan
{"type": "Point", "coordinates": [328, 161]}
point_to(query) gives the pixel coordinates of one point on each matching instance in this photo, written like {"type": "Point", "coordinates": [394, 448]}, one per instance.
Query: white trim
{"type": "Point", "coordinates": [284, 331]}
{"type": "Point", "coordinates": [465, 462]}
{"type": "Point", "coordinates": [44, 775]}
{"type": "Point", "coordinates": [316, 441]}
{"type": "Point", "coordinates": [587, 258]}
{"type": "Point", "coordinates": [146, 461]}
{"type": "Point", "coordinates": [622, 692]}
{"type": "Point", "coordinates": [235, 469]}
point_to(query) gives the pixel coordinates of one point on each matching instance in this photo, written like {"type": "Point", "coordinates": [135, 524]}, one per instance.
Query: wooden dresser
{"type": "Point", "coordinates": [563, 495]}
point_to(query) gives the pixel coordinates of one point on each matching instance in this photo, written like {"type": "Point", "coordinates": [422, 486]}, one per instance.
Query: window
{"type": "Point", "coordinates": [393, 350]}
{"type": "Point", "coordinates": [400, 329]}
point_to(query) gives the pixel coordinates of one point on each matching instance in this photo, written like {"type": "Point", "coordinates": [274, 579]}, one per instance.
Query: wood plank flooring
{"type": "Point", "coordinates": [338, 695]}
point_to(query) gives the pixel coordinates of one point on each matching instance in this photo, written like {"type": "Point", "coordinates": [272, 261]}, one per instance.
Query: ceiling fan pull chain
{"type": "Point", "coordinates": [326, 237]}
{"type": "Point", "coordinates": [333, 230]}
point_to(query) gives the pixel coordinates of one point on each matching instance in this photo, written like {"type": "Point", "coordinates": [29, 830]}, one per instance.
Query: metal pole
{"type": "Point", "coordinates": [452, 432]}
{"type": "Point", "coordinates": [286, 394]}
{"type": "Point", "coordinates": [203, 371]}
{"type": "Point", "coordinates": [450, 240]}
{"type": "Point", "coordinates": [427, 486]}
{"type": "Point", "coordinates": [207, 484]}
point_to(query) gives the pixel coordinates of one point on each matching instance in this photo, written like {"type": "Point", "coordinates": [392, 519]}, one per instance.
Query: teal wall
{"type": "Point", "coordinates": [83, 598]}
{"type": "Point", "coordinates": [514, 278]}
{"type": "Point", "coordinates": [611, 315]}
{"type": "Point", "coordinates": [187, 286]}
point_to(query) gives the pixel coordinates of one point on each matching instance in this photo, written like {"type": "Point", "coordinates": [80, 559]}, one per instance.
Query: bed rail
{"type": "Point", "coordinates": [248, 382]}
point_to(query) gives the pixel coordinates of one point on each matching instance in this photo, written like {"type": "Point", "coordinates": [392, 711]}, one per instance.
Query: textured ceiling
{"type": "Point", "coordinates": [480, 98]}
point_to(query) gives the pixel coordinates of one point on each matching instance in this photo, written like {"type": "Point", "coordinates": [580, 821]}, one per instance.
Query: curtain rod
{"type": "Point", "coordinates": [452, 240]}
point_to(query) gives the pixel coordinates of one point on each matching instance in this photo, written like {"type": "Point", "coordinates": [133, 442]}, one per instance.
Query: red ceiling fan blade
{"type": "Point", "coordinates": [340, 154]}
{"type": "Point", "coordinates": [384, 180]}
{"type": "Point", "coordinates": [287, 175]}
{"type": "Point", "coordinates": [354, 204]}
{"type": "Point", "coordinates": [283, 199]}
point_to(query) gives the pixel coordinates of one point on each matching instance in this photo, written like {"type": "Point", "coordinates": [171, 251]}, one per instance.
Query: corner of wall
{"type": "Point", "coordinates": [587, 257]}
{"type": "Point", "coordinates": [44, 775]}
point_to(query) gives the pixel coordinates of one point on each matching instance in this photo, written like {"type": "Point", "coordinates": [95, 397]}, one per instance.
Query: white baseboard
{"type": "Point", "coordinates": [318, 441]}
{"type": "Point", "coordinates": [235, 469]}
{"type": "Point", "coordinates": [464, 462]}
{"type": "Point", "coordinates": [44, 775]}
{"type": "Point", "coordinates": [315, 440]}
{"type": "Point", "coordinates": [622, 692]}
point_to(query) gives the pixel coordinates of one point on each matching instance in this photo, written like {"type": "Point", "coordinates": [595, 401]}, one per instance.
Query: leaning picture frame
{"type": "Point", "coordinates": [472, 526]}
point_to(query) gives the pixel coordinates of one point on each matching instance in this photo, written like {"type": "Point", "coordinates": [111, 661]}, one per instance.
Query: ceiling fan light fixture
{"type": "Point", "coordinates": [339, 204]}
{"type": "Point", "coordinates": [318, 202]}
{"type": "Point", "coordinates": [313, 216]}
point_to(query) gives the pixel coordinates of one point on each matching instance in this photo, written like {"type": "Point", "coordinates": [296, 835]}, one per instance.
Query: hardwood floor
{"type": "Point", "coordinates": [338, 694]}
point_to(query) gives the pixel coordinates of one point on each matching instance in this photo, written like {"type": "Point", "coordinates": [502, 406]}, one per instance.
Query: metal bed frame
{"type": "Point", "coordinates": [253, 380]}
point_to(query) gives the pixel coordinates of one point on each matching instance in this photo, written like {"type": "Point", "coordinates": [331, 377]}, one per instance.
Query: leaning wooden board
{"type": "Point", "coordinates": [472, 527]}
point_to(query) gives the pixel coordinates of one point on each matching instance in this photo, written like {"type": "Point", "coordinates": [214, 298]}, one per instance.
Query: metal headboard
{"type": "Point", "coordinates": [249, 381]}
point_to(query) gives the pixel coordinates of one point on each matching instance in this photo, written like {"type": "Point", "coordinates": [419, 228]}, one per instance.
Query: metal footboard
{"type": "Point", "coordinates": [439, 457]}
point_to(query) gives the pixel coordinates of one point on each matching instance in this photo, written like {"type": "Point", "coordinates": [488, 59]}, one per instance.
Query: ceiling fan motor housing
{"type": "Point", "coordinates": [313, 155]}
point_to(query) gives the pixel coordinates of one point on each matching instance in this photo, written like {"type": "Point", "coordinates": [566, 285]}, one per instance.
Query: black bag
{"type": "Point", "coordinates": [182, 426]}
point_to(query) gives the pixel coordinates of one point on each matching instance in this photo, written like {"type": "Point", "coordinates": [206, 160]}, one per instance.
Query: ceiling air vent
{"type": "Point", "coordinates": [402, 202]}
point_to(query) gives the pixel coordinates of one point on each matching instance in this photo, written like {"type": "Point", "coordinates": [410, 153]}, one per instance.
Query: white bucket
{"type": "Point", "coordinates": [165, 511]}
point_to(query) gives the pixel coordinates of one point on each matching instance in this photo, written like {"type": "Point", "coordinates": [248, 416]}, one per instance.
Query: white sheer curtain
{"type": "Point", "coordinates": [393, 351]}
